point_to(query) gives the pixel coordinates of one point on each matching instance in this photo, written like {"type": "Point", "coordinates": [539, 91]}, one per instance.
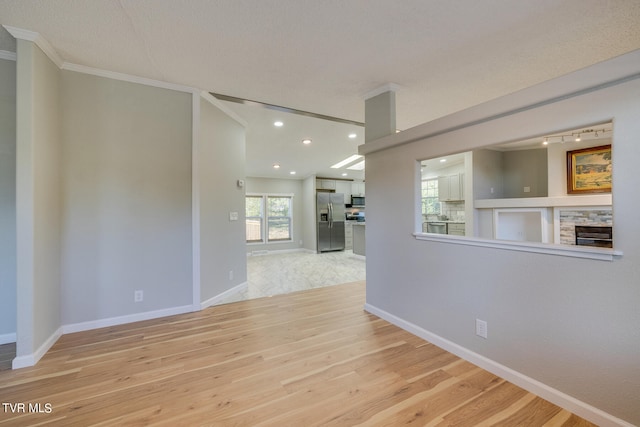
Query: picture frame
{"type": "Point", "coordinates": [589, 170]}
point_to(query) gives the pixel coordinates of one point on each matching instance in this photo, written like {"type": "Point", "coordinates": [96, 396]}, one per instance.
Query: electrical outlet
{"type": "Point", "coordinates": [230, 274]}
{"type": "Point", "coordinates": [527, 189]}
{"type": "Point", "coordinates": [481, 328]}
{"type": "Point", "coordinates": [138, 296]}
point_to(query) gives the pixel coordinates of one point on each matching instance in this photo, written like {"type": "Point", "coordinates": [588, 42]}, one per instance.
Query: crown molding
{"type": "Point", "coordinates": [127, 77]}
{"type": "Point", "coordinates": [229, 112]}
{"type": "Point", "coordinates": [9, 56]}
{"type": "Point", "coordinates": [39, 41]}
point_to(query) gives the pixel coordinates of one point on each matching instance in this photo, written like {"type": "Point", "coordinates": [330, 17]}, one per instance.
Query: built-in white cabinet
{"type": "Point", "coordinates": [325, 184]}
{"type": "Point", "coordinates": [348, 235]}
{"type": "Point", "coordinates": [451, 187]}
{"type": "Point", "coordinates": [357, 188]}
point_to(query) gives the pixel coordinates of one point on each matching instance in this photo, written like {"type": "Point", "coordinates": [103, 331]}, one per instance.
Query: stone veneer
{"type": "Point", "coordinates": [569, 218]}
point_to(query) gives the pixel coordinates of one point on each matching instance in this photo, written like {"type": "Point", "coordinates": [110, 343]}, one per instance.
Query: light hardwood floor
{"type": "Point", "coordinates": [310, 358]}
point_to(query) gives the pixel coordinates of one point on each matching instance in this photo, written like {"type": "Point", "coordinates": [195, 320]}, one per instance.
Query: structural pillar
{"type": "Point", "coordinates": [380, 112]}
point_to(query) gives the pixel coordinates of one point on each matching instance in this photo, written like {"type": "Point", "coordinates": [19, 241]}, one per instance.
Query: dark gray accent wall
{"type": "Point", "coordinates": [525, 169]}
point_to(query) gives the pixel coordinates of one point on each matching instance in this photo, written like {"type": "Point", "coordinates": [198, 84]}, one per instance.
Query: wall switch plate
{"type": "Point", "coordinates": [138, 296]}
{"type": "Point", "coordinates": [481, 328]}
{"type": "Point", "coordinates": [233, 216]}
{"type": "Point", "coordinates": [230, 274]}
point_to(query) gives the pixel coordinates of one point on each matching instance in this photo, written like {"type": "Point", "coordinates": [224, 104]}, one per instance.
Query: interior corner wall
{"type": "Point", "coordinates": [223, 259]}
{"type": "Point", "coordinates": [569, 323]}
{"type": "Point", "coordinates": [7, 201]}
{"type": "Point", "coordinates": [38, 199]}
{"type": "Point", "coordinates": [281, 186]}
{"type": "Point", "coordinates": [127, 198]}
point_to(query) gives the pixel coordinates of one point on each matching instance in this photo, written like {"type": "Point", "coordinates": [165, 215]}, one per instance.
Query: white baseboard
{"type": "Point", "coordinates": [226, 294]}
{"type": "Point", "coordinates": [130, 318]}
{"type": "Point", "coordinates": [7, 338]}
{"type": "Point", "coordinates": [32, 359]}
{"type": "Point", "coordinates": [554, 396]}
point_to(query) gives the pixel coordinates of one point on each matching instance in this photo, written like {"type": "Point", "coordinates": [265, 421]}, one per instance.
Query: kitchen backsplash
{"type": "Point", "coordinates": [453, 210]}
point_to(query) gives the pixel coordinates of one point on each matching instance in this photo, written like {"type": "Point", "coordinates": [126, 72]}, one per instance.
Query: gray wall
{"type": "Point", "coordinates": [569, 323]}
{"type": "Point", "coordinates": [221, 165]}
{"type": "Point", "coordinates": [38, 197]}
{"type": "Point", "coordinates": [487, 174]}
{"type": "Point", "coordinates": [309, 230]}
{"type": "Point", "coordinates": [127, 197]}
{"type": "Point", "coordinates": [7, 198]}
{"type": "Point", "coordinates": [525, 168]}
{"type": "Point", "coordinates": [282, 186]}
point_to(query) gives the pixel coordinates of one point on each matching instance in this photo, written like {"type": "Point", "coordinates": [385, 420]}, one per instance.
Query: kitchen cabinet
{"type": "Point", "coordinates": [325, 184]}
{"type": "Point", "coordinates": [357, 189]}
{"type": "Point", "coordinates": [348, 235]}
{"type": "Point", "coordinates": [451, 187]}
{"type": "Point", "coordinates": [455, 228]}
{"type": "Point", "coordinates": [359, 241]}
{"type": "Point", "coordinates": [344, 187]}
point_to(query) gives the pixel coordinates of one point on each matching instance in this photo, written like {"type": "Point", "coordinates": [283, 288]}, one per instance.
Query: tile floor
{"type": "Point", "coordinates": [275, 274]}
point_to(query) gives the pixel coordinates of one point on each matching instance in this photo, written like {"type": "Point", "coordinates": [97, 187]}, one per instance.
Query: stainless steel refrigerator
{"type": "Point", "coordinates": [330, 221]}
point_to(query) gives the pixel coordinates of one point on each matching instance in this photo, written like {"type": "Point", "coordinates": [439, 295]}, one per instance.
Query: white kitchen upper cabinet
{"type": "Point", "coordinates": [345, 188]}
{"type": "Point", "coordinates": [357, 188]}
{"type": "Point", "coordinates": [451, 187]}
{"type": "Point", "coordinates": [325, 184]}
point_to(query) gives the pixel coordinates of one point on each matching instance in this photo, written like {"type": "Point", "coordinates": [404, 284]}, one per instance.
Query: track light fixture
{"type": "Point", "coordinates": [576, 136]}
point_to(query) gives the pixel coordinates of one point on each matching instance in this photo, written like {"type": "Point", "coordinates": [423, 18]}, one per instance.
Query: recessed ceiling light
{"type": "Point", "coordinates": [346, 161]}
{"type": "Point", "coordinates": [306, 141]}
{"type": "Point", "coordinates": [278, 124]}
{"type": "Point", "coordinates": [276, 166]}
{"type": "Point", "coordinates": [443, 160]}
{"type": "Point", "coordinates": [352, 135]}
{"type": "Point", "coordinates": [345, 174]}
{"type": "Point", "coordinates": [292, 173]}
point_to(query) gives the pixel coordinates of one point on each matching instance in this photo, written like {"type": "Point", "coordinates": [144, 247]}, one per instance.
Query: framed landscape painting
{"type": "Point", "coordinates": [589, 170]}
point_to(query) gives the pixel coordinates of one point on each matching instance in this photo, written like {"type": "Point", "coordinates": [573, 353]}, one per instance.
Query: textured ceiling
{"type": "Point", "coordinates": [323, 56]}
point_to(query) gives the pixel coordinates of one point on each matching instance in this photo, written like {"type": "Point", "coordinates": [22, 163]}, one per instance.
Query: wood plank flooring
{"type": "Point", "coordinates": [312, 358]}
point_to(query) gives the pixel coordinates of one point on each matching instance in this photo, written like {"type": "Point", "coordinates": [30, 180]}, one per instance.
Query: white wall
{"type": "Point", "coordinates": [300, 219]}
{"type": "Point", "coordinates": [7, 200]}
{"type": "Point", "coordinates": [127, 198]}
{"type": "Point", "coordinates": [38, 200]}
{"type": "Point", "coordinates": [569, 323]}
{"type": "Point", "coordinates": [221, 165]}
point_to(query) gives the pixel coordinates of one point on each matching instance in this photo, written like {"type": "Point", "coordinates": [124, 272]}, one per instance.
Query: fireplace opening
{"type": "Point", "coordinates": [592, 235]}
